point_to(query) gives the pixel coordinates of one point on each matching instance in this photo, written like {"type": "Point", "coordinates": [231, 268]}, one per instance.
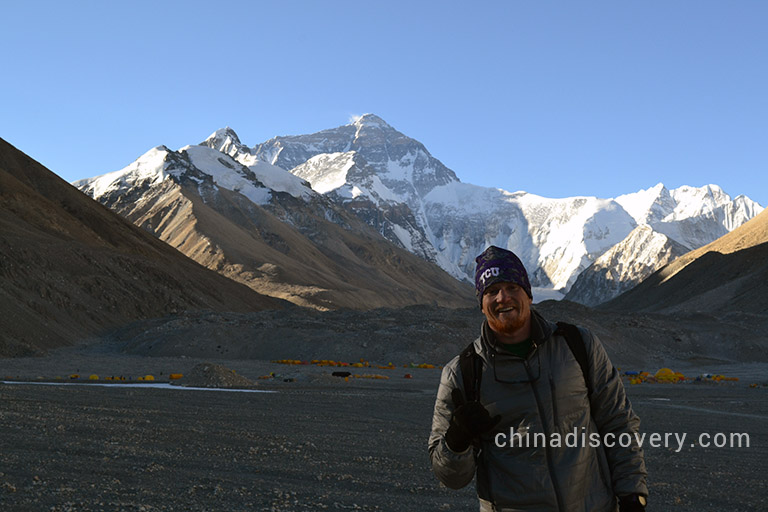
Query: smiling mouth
{"type": "Point", "coordinates": [505, 310]}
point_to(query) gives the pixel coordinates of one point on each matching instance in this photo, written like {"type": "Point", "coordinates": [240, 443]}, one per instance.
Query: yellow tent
{"type": "Point", "coordinates": [667, 375]}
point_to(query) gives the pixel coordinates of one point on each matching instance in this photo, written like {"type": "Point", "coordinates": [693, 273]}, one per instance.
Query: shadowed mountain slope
{"type": "Point", "coordinates": [265, 228]}
{"type": "Point", "coordinates": [725, 276]}
{"type": "Point", "coordinates": [71, 268]}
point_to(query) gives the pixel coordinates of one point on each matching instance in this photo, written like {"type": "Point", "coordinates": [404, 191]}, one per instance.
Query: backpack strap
{"type": "Point", "coordinates": [471, 366]}
{"type": "Point", "coordinates": [575, 341]}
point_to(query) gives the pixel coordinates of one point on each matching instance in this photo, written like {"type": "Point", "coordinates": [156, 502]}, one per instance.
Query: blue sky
{"type": "Point", "coordinates": [556, 98]}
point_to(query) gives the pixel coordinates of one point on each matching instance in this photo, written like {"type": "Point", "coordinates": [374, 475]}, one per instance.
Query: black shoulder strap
{"type": "Point", "coordinates": [471, 366]}
{"type": "Point", "coordinates": [573, 337]}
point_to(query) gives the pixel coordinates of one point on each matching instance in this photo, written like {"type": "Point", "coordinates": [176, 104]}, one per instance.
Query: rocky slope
{"type": "Point", "coordinates": [725, 277]}
{"type": "Point", "coordinates": [624, 266]}
{"type": "Point", "coordinates": [266, 228]}
{"type": "Point", "coordinates": [71, 268]}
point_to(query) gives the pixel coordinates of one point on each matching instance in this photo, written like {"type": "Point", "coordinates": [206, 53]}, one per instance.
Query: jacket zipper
{"type": "Point", "coordinates": [547, 450]}
{"type": "Point", "coordinates": [599, 457]}
{"type": "Point", "coordinates": [554, 401]}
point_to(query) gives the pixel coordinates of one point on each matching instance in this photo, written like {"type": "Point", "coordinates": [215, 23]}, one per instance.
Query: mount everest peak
{"type": "Point", "coordinates": [402, 163]}
{"type": "Point", "coordinates": [370, 121]}
{"type": "Point", "coordinates": [393, 184]}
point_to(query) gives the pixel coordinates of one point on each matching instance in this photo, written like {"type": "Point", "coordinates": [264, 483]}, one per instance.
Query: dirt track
{"type": "Point", "coordinates": [319, 443]}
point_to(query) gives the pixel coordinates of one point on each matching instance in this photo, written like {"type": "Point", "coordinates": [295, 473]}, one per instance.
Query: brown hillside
{"type": "Point", "coordinates": [70, 268]}
{"type": "Point", "coordinates": [727, 275]}
{"type": "Point", "coordinates": [290, 250]}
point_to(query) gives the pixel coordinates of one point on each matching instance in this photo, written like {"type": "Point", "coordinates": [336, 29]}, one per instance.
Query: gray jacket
{"type": "Point", "coordinates": [542, 395]}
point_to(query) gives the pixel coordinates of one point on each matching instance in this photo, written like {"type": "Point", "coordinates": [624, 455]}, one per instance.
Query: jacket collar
{"type": "Point", "coordinates": [541, 330]}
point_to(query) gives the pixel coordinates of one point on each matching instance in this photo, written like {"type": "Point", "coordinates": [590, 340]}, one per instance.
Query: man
{"type": "Point", "coordinates": [531, 392]}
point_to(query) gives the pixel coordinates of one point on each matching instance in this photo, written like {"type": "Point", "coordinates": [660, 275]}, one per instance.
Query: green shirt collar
{"type": "Point", "coordinates": [518, 349]}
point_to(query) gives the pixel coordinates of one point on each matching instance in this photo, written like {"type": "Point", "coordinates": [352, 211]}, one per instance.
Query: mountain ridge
{"type": "Point", "coordinates": [392, 183]}
{"type": "Point", "coordinates": [725, 276]}
{"type": "Point", "coordinates": [689, 216]}
{"type": "Point", "coordinates": [623, 266]}
{"type": "Point", "coordinates": [72, 268]}
{"type": "Point", "coordinates": [293, 243]}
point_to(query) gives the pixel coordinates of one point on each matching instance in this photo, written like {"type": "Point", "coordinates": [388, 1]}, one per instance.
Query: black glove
{"type": "Point", "coordinates": [631, 503]}
{"type": "Point", "coordinates": [469, 421]}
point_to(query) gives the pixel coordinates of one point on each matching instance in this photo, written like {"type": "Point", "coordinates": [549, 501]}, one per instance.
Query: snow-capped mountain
{"type": "Point", "coordinates": [402, 164]}
{"type": "Point", "coordinates": [555, 238]}
{"type": "Point", "coordinates": [625, 265]}
{"type": "Point", "coordinates": [691, 216]}
{"type": "Point", "coordinates": [373, 169]}
{"type": "Point", "coordinates": [378, 169]}
{"type": "Point", "coordinates": [724, 278]}
{"type": "Point", "coordinates": [198, 163]}
{"type": "Point", "coordinates": [265, 227]}
{"type": "Point", "coordinates": [393, 184]}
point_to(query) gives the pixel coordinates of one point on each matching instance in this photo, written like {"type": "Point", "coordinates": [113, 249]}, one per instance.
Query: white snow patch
{"type": "Point", "coordinates": [379, 192]}
{"type": "Point", "coordinates": [638, 204]}
{"type": "Point", "coordinates": [326, 172]}
{"type": "Point", "coordinates": [464, 198]}
{"type": "Point", "coordinates": [226, 172]}
{"type": "Point", "coordinates": [404, 236]}
{"type": "Point", "coordinates": [280, 180]}
{"type": "Point", "coordinates": [396, 171]}
{"type": "Point", "coordinates": [150, 166]}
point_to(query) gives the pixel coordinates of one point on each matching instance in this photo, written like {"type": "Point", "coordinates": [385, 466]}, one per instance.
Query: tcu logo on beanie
{"type": "Point", "coordinates": [496, 265]}
{"type": "Point", "coordinates": [490, 272]}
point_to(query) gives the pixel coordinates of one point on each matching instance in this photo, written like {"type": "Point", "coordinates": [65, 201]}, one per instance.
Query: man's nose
{"type": "Point", "coordinates": [501, 295]}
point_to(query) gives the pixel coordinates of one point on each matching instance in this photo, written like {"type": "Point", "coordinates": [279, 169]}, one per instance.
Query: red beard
{"type": "Point", "coordinates": [505, 325]}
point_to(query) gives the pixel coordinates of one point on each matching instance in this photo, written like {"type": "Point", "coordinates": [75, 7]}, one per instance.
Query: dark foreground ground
{"type": "Point", "coordinates": [320, 443]}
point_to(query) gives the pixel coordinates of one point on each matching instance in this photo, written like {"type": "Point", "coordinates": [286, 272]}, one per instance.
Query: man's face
{"type": "Point", "coordinates": [507, 308]}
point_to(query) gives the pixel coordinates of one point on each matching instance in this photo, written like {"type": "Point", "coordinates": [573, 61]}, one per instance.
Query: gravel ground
{"type": "Point", "coordinates": [316, 442]}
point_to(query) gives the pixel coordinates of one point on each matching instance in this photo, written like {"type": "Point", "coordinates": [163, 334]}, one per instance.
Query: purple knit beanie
{"type": "Point", "coordinates": [497, 265]}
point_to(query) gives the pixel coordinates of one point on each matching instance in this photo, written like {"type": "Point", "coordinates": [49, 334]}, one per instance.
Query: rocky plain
{"type": "Point", "coordinates": [99, 311]}
{"type": "Point", "coordinates": [301, 438]}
